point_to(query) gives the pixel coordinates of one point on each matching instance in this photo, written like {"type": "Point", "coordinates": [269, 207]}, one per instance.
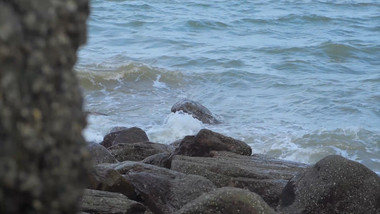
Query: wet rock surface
{"type": "Point", "coordinates": [227, 200]}
{"type": "Point", "coordinates": [108, 179]}
{"type": "Point", "coordinates": [195, 109]}
{"type": "Point", "coordinates": [333, 185]}
{"type": "Point", "coordinates": [163, 190]}
{"type": "Point", "coordinates": [171, 183]}
{"type": "Point", "coordinates": [160, 160]}
{"type": "Point", "coordinates": [96, 201]}
{"type": "Point", "coordinates": [124, 135]}
{"type": "Point", "coordinates": [260, 174]}
{"type": "Point", "coordinates": [206, 141]}
{"type": "Point", "coordinates": [99, 154]}
{"type": "Point", "coordinates": [42, 152]}
{"type": "Point", "coordinates": [137, 151]}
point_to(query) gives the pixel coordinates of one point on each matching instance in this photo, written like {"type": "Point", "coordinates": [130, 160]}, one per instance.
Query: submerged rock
{"type": "Point", "coordinates": [96, 201]}
{"type": "Point", "coordinates": [137, 151]}
{"type": "Point", "coordinates": [163, 190]}
{"type": "Point", "coordinates": [333, 185]}
{"type": "Point", "coordinates": [227, 200]}
{"type": "Point", "coordinates": [99, 154]}
{"type": "Point", "coordinates": [260, 174]}
{"type": "Point", "coordinates": [195, 109]}
{"type": "Point", "coordinates": [130, 135]}
{"type": "Point", "coordinates": [206, 141]}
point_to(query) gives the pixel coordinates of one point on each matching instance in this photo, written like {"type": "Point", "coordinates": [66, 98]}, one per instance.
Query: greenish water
{"type": "Point", "coordinates": [297, 80]}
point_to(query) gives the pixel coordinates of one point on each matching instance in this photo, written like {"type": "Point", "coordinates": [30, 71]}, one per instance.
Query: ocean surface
{"type": "Point", "coordinates": [296, 80]}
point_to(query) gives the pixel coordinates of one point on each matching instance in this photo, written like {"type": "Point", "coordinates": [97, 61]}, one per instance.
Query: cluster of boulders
{"type": "Point", "coordinates": [213, 173]}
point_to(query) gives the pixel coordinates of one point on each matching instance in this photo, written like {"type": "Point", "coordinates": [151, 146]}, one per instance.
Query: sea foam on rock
{"type": "Point", "coordinates": [195, 109]}
{"type": "Point", "coordinates": [333, 185]}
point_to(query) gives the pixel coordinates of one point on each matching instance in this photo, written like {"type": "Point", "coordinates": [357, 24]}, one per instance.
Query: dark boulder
{"type": "Point", "coordinates": [227, 200]}
{"type": "Point", "coordinates": [99, 154]}
{"type": "Point", "coordinates": [43, 159]}
{"type": "Point", "coordinates": [333, 185]}
{"type": "Point", "coordinates": [130, 135]}
{"type": "Point", "coordinates": [195, 109]}
{"type": "Point", "coordinates": [260, 174]}
{"type": "Point", "coordinates": [110, 180]}
{"type": "Point", "coordinates": [161, 160]}
{"type": "Point", "coordinates": [206, 141]}
{"type": "Point", "coordinates": [163, 190]}
{"type": "Point", "coordinates": [96, 201]}
{"type": "Point", "coordinates": [137, 151]}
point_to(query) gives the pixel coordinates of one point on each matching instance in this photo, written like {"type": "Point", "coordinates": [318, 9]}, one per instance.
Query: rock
{"type": "Point", "coordinates": [96, 201]}
{"type": "Point", "coordinates": [206, 141]}
{"type": "Point", "coordinates": [163, 190]}
{"type": "Point", "coordinates": [117, 129]}
{"type": "Point", "coordinates": [43, 159]}
{"type": "Point", "coordinates": [137, 151]}
{"type": "Point", "coordinates": [131, 135]}
{"type": "Point", "coordinates": [160, 160]}
{"type": "Point", "coordinates": [196, 110]}
{"type": "Point", "coordinates": [227, 200]}
{"type": "Point", "coordinates": [107, 179]}
{"type": "Point", "coordinates": [99, 154]}
{"type": "Point", "coordinates": [265, 176]}
{"type": "Point", "coordinates": [333, 185]}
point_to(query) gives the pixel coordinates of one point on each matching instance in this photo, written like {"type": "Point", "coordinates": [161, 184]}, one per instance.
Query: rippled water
{"type": "Point", "coordinates": [297, 80]}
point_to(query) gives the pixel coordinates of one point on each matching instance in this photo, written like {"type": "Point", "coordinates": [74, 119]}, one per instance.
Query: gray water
{"type": "Point", "coordinates": [296, 80]}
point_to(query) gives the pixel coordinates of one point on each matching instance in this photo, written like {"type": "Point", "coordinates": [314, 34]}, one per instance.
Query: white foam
{"type": "Point", "coordinates": [95, 132]}
{"type": "Point", "coordinates": [158, 84]}
{"type": "Point", "coordinates": [176, 126]}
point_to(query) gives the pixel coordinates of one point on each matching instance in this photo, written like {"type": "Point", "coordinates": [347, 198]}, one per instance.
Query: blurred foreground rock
{"type": "Point", "coordinates": [42, 157]}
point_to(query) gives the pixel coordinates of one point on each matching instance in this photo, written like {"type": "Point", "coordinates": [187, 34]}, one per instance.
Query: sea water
{"type": "Point", "coordinates": [296, 80]}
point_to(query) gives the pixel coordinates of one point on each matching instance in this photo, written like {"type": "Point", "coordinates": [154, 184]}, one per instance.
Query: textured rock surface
{"type": "Point", "coordinates": [96, 201]}
{"type": "Point", "coordinates": [227, 200]}
{"type": "Point", "coordinates": [130, 135]}
{"type": "Point", "coordinates": [333, 185]}
{"type": "Point", "coordinates": [162, 190]}
{"type": "Point", "coordinates": [265, 176]}
{"type": "Point", "coordinates": [161, 160]}
{"type": "Point", "coordinates": [206, 141]}
{"type": "Point", "coordinates": [99, 154]}
{"type": "Point", "coordinates": [137, 151]}
{"type": "Point", "coordinates": [196, 109]}
{"type": "Point", "coordinates": [107, 179]}
{"type": "Point", "coordinates": [42, 151]}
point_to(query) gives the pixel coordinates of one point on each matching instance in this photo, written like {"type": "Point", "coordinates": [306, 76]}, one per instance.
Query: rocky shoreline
{"type": "Point", "coordinates": [213, 173]}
